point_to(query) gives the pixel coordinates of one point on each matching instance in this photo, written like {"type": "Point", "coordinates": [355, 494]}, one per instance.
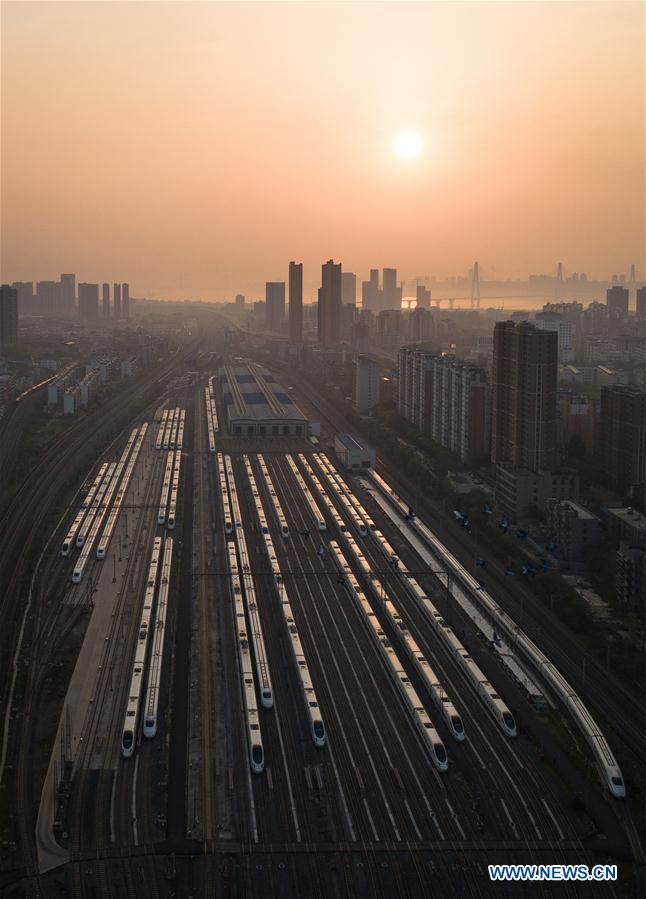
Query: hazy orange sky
{"type": "Point", "coordinates": [193, 149]}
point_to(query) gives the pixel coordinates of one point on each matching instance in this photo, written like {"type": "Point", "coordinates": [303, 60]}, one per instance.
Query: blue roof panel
{"type": "Point", "coordinates": [254, 399]}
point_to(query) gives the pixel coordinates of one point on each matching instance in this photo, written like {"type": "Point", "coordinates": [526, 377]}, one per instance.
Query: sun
{"type": "Point", "coordinates": [407, 145]}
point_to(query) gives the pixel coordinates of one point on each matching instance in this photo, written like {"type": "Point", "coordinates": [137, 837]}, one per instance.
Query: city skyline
{"type": "Point", "coordinates": [532, 148]}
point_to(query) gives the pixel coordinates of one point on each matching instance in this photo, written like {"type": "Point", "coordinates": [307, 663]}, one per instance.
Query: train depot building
{"type": "Point", "coordinates": [257, 405]}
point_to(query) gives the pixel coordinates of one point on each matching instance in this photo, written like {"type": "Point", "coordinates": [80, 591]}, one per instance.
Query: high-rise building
{"type": "Point", "coordinates": [106, 300]}
{"type": "Point", "coordinates": [48, 297]}
{"type": "Point", "coordinates": [125, 300]}
{"type": "Point", "coordinates": [641, 302]}
{"type": "Point", "coordinates": [68, 293]}
{"type": "Point", "coordinates": [555, 321]}
{"type": "Point", "coordinates": [240, 301]}
{"type": "Point", "coordinates": [89, 301]}
{"type": "Point", "coordinates": [617, 300]}
{"type": "Point", "coordinates": [26, 299]}
{"type": "Point", "coordinates": [116, 297]}
{"type": "Point", "coordinates": [8, 315]}
{"type": "Point", "coordinates": [348, 289]}
{"type": "Point", "coordinates": [296, 302]}
{"type": "Point", "coordinates": [365, 394]}
{"type": "Point", "coordinates": [421, 324]}
{"type": "Point", "coordinates": [423, 297]}
{"type": "Point", "coordinates": [524, 374]}
{"type": "Point", "coordinates": [275, 304]}
{"type": "Point", "coordinates": [391, 294]}
{"type": "Point", "coordinates": [329, 305]}
{"type": "Point", "coordinates": [370, 291]}
{"type": "Point", "coordinates": [622, 437]}
{"type": "Point", "coordinates": [446, 399]}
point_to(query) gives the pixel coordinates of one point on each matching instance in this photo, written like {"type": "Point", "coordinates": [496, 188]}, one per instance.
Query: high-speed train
{"type": "Point", "coordinates": [157, 655]}
{"type": "Point", "coordinates": [317, 515]}
{"type": "Point", "coordinates": [70, 539]}
{"type": "Point", "coordinates": [249, 592]}
{"type": "Point", "coordinates": [604, 758]}
{"type": "Point", "coordinates": [254, 736]}
{"type": "Point", "coordinates": [131, 719]}
{"type": "Point", "coordinates": [310, 700]}
{"type": "Point", "coordinates": [485, 690]}
{"type": "Point", "coordinates": [416, 710]}
{"type": "Point", "coordinates": [224, 496]}
{"type": "Point", "coordinates": [278, 509]}
{"type": "Point", "coordinates": [431, 681]}
{"type": "Point", "coordinates": [104, 541]}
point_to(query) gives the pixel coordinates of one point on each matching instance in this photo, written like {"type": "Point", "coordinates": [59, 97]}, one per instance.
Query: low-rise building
{"type": "Point", "coordinates": [630, 577]}
{"type": "Point", "coordinates": [573, 529]}
{"type": "Point", "coordinates": [626, 524]}
{"type": "Point", "coordinates": [519, 489]}
{"type": "Point", "coordinates": [353, 452]}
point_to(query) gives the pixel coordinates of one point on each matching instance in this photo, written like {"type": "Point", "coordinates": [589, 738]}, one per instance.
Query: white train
{"type": "Point", "coordinates": [257, 639]}
{"type": "Point", "coordinates": [129, 730]}
{"type": "Point", "coordinates": [214, 411]}
{"type": "Point", "coordinates": [70, 539]}
{"type": "Point", "coordinates": [312, 710]}
{"type": "Point", "coordinates": [278, 509]}
{"type": "Point", "coordinates": [157, 654]}
{"type": "Point", "coordinates": [106, 493]}
{"type": "Point", "coordinates": [106, 536]}
{"type": "Point", "coordinates": [170, 420]}
{"type": "Point", "coordinates": [168, 477]}
{"type": "Point", "coordinates": [609, 769]}
{"type": "Point", "coordinates": [96, 503]}
{"type": "Point", "coordinates": [210, 428]}
{"type": "Point", "coordinates": [365, 524]}
{"type": "Point", "coordinates": [412, 703]}
{"type": "Point", "coordinates": [172, 443]}
{"type": "Point", "coordinates": [159, 442]}
{"type": "Point", "coordinates": [432, 682]}
{"type": "Point", "coordinates": [224, 496]}
{"type": "Point", "coordinates": [254, 736]}
{"type": "Point", "coordinates": [174, 490]}
{"type": "Point", "coordinates": [180, 429]}
{"type": "Point", "coordinates": [341, 494]}
{"type": "Point", "coordinates": [317, 515]}
{"type": "Point", "coordinates": [327, 502]}
{"type": "Point", "coordinates": [485, 690]}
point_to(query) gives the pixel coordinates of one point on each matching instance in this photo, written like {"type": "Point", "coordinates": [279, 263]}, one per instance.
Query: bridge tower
{"type": "Point", "coordinates": [475, 287]}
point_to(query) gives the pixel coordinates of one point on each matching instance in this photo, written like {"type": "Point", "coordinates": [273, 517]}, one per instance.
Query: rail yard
{"type": "Point", "coordinates": [284, 683]}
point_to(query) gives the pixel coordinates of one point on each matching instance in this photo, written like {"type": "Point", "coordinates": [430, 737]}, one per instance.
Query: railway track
{"type": "Point", "coordinates": [607, 695]}
{"type": "Point", "coordinates": [118, 647]}
{"type": "Point", "coordinates": [48, 629]}
{"type": "Point", "coordinates": [202, 522]}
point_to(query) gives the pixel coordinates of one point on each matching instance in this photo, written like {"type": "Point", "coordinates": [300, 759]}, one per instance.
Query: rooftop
{"type": "Point", "coordinates": [352, 442]}
{"type": "Point", "coordinates": [581, 511]}
{"type": "Point", "coordinates": [251, 392]}
{"type": "Point", "coordinates": [629, 516]}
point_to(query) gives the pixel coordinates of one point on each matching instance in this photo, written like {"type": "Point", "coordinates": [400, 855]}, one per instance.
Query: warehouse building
{"type": "Point", "coordinates": [256, 404]}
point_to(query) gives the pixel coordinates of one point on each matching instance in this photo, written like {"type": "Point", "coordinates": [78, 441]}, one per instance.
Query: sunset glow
{"type": "Point", "coordinates": [200, 145]}
{"type": "Point", "coordinates": [408, 145]}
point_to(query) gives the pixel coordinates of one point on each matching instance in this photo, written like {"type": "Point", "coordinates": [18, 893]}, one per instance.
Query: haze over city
{"type": "Point", "coordinates": [196, 147]}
